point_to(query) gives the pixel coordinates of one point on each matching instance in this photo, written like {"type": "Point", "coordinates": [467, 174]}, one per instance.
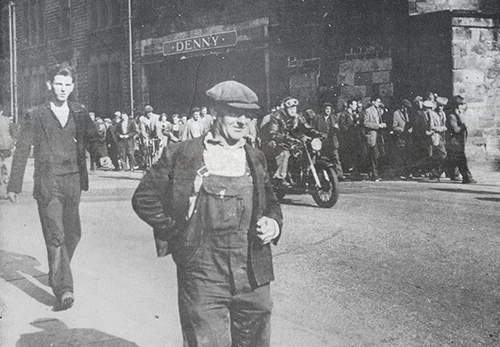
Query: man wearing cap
{"type": "Point", "coordinates": [371, 119]}
{"type": "Point", "coordinates": [211, 204]}
{"type": "Point", "coordinates": [147, 129]}
{"type": "Point", "coordinates": [420, 143]}
{"type": "Point", "coordinates": [400, 127]}
{"type": "Point", "coordinates": [195, 126]}
{"type": "Point", "coordinates": [112, 141]}
{"type": "Point", "coordinates": [326, 123]}
{"type": "Point", "coordinates": [437, 124]}
{"type": "Point", "coordinates": [348, 150]}
{"type": "Point", "coordinates": [206, 118]}
{"type": "Point", "coordinates": [456, 137]}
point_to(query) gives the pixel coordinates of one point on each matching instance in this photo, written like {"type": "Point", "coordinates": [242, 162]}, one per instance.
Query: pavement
{"type": "Point", "coordinates": [125, 296]}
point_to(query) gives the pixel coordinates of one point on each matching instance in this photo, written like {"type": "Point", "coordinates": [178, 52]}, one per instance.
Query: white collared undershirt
{"type": "Point", "coordinates": [61, 113]}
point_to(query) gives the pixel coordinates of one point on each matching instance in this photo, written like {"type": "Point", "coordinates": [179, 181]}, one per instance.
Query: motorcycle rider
{"type": "Point", "coordinates": [287, 126]}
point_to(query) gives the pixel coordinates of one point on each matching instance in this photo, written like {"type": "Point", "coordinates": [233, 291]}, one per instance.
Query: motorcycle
{"type": "Point", "coordinates": [310, 171]}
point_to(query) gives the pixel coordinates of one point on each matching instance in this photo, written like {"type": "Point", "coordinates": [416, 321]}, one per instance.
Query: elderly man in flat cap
{"type": "Point", "coordinates": [211, 204]}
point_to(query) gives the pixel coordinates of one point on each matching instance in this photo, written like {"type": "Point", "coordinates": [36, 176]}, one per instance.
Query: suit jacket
{"type": "Point", "coordinates": [327, 126]}
{"type": "Point", "coordinates": [33, 133]}
{"type": "Point", "coordinates": [162, 201]}
{"type": "Point", "coordinates": [111, 138]}
{"type": "Point", "coordinates": [131, 131]}
{"type": "Point", "coordinates": [456, 134]}
{"type": "Point", "coordinates": [346, 121]}
{"type": "Point", "coordinates": [400, 124]}
{"type": "Point", "coordinates": [371, 118]}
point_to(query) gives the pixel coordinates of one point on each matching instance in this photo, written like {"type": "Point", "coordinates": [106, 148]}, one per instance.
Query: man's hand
{"type": "Point", "coordinates": [267, 229]}
{"type": "Point", "coordinates": [13, 197]}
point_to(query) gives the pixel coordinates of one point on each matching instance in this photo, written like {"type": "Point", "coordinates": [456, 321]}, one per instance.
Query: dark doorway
{"type": "Point", "coordinates": [178, 84]}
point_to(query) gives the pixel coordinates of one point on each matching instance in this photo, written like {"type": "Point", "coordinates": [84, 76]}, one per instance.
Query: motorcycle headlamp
{"type": "Point", "coordinates": [316, 144]}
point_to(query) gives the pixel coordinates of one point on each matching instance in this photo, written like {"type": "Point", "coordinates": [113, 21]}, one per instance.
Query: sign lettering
{"type": "Point", "coordinates": [193, 44]}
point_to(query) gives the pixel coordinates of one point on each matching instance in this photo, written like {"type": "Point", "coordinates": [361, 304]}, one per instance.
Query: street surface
{"type": "Point", "coordinates": [392, 264]}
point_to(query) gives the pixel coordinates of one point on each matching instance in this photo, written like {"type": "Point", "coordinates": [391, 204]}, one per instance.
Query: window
{"type": "Point", "coordinates": [93, 14]}
{"type": "Point", "coordinates": [115, 11]}
{"type": "Point", "coordinates": [33, 89]}
{"type": "Point", "coordinates": [5, 44]}
{"type": "Point", "coordinates": [104, 13]}
{"type": "Point", "coordinates": [115, 87]}
{"type": "Point", "coordinates": [33, 26]}
{"type": "Point", "coordinates": [39, 21]}
{"type": "Point", "coordinates": [105, 87]}
{"type": "Point", "coordinates": [65, 16]}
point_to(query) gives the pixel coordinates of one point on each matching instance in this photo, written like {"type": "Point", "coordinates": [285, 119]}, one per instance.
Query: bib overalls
{"type": "Point", "coordinates": [218, 306]}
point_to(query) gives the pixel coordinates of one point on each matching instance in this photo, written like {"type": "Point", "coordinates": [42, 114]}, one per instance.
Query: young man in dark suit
{"type": "Point", "coordinates": [60, 131]}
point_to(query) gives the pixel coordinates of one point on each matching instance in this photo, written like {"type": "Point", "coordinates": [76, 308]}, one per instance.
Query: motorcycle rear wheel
{"type": "Point", "coordinates": [328, 194]}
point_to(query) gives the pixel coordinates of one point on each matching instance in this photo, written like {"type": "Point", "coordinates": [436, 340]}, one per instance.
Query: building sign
{"type": "Point", "coordinates": [200, 43]}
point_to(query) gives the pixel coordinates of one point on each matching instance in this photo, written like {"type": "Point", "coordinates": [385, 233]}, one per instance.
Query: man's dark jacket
{"type": "Point", "coordinates": [162, 201]}
{"type": "Point", "coordinates": [34, 133]}
{"type": "Point", "coordinates": [131, 131]}
{"type": "Point", "coordinates": [327, 126]}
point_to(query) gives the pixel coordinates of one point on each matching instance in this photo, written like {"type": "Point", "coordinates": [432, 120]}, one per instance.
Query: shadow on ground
{"type": "Point", "coordinates": [56, 334]}
{"type": "Point", "coordinates": [287, 201]}
{"type": "Point", "coordinates": [489, 199]}
{"type": "Point", "coordinates": [466, 191]}
{"type": "Point", "coordinates": [14, 267]}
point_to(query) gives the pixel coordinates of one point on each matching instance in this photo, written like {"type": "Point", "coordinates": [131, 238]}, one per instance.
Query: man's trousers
{"type": "Point", "coordinates": [61, 228]}
{"type": "Point", "coordinates": [219, 307]}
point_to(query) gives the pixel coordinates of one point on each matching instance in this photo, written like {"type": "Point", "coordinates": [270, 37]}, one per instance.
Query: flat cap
{"type": "Point", "coordinates": [234, 94]}
{"type": "Point", "coordinates": [442, 101]}
{"type": "Point", "coordinates": [428, 103]}
{"type": "Point", "coordinates": [310, 112]}
{"type": "Point", "coordinates": [418, 98]}
{"type": "Point", "coordinates": [325, 104]}
{"type": "Point", "coordinates": [148, 108]}
{"type": "Point", "coordinates": [406, 102]}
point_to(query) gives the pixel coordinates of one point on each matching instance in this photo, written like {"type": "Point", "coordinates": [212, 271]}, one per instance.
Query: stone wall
{"type": "Point", "coordinates": [429, 57]}
{"type": "Point", "coordinates": [366, 72]}
{"type": "Point", "coordinates": [427, 6]}
{"type": "Point", "coordinates": [476, 76]}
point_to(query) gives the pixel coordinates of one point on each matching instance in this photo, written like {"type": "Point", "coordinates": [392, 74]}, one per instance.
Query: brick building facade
{"type": "Point", "coordinates": [90, 35]}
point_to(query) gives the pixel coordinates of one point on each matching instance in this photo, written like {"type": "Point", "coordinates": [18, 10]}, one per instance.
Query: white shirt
{"type": "Point", "coordinates": [62, 113]}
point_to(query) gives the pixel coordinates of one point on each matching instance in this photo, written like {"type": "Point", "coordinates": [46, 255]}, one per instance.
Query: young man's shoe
{"type": "Point", "coordinates": [65, 301]}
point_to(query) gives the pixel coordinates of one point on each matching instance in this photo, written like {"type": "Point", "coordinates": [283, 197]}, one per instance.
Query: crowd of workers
{"type": "Point", "coordinates": [423, 138]}
{"type": "Point", "coordinates": [137, 143]}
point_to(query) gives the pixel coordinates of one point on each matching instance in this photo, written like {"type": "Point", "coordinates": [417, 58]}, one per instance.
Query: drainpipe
{"type": "Point", "coordinates": [14, 108]}
{"type": "Point", "coordinates": [130, 58]}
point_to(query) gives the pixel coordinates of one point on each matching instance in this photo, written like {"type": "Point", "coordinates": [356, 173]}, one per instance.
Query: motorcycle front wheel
{"type": "Point", "coordinates": [328, 194]}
